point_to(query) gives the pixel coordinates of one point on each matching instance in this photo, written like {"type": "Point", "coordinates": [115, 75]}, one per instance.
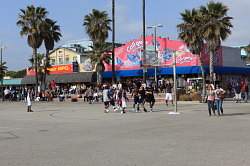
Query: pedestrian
{"type": "Point", "coordinates": [219, 96]}
{"type": "Point", "coordinates": [169, 97]}
{"type": "Point", "coordinates": [150, 98]}
{"type": "Point", "coordinates": [135, 95]}
{"type": "Point", "coordinates": [210, 99]}
{"type": "Point", "coordinates": [106, 98]}
{"type": "Point", "coordinates": [112, 96]}
{"type": "Point", "coordinates": [142, 95]}
{"type": "Point", "coordinates": [237, 93]}
{"type": "Point", "coordinates": [28, 99]}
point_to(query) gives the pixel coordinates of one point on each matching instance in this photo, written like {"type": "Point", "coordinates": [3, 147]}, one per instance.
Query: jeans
{"type": "Point", "coordinates": [210, 105]}
{"type": "Point", "coordinates": [218, 103]}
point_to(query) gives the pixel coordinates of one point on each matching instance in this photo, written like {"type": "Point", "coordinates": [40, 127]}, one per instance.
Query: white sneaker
{"type": "Point", "coordinates": [106, 110]}
{"type": "Point", "coordinates": [115, 109]}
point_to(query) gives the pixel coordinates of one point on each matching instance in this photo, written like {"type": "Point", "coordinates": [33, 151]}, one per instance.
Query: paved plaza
{"type": "Point", "coordinates": [79, 134]}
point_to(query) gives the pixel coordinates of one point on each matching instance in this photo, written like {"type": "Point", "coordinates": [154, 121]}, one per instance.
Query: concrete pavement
{"type": "Point", "coordinates": [78, 134]}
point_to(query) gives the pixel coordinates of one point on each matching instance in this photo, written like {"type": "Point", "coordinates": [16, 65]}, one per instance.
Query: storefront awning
{"type": "Point", "coordinates": [83, 77]}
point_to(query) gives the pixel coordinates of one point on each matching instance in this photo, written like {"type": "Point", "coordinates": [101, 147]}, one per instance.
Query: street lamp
{"type": "Point", "coordinates": [155, 48]}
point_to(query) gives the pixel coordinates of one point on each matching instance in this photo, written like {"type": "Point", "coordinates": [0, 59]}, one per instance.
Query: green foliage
{"type": "Point", "coordinates": [16, 74]}
{"type": "Point", "coordinates": [97, 26]}
{"type": "Point", "coordinates": [3, 69]}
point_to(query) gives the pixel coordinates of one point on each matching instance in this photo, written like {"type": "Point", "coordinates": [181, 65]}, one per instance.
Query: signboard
{"type": "Point", "coordinates": [130, 55]}
{"type": "Point", "coordinates": [59, 69]}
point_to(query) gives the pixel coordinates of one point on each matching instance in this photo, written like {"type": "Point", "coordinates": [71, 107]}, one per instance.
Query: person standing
{"type": "Point", "coordinates": [169, 97]}
{"type": "Point", "coordinates": [237, 93]}
{"type": "Point", "coordinates": [142, 95]}
{"type": "Point", "coordinates": [210, 99]}
{"type": "Point", "coordinates": [29, 104]}
{"type": "Point", "coordinates": [106, 99]}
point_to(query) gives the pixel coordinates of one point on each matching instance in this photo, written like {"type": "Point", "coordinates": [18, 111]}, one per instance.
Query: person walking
{"type": "Point", "coordinates": [210, 99]}
{"type": "Point", "coordinates": [142, 95]}
{"type": "Point", "coordinates": [219, 96]}
{"type": "Point", "coordinates": [150, 98]}
{"type": "Point", "coordinates": [135, 95]}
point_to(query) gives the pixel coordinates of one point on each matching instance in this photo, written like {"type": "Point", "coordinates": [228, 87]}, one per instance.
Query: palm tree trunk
{"type": "Point", "coordinates": [36, 73]}
{"type": "Point", "coordinates": [211, 65]}
{"type": "Point", "coordinates": [99, 77]}
{"type": "Point", "coordinates": [45, 69]}
{"type": "Point", "coordinates": [203, 79]}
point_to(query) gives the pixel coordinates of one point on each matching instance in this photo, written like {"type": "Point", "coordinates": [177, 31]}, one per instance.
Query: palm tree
{"type": "Point", "coordinates": [30, 21]}
{"type": "Point", "coordinates": [189, 32]}
{"type": "Point", "coordinates": [99, 57]}
{"type": "Point", "coordinates": [97, 26]}
{"type": "Point", "coordinates": [216, 28]}
{"type": "Point", "coordinates": [50, 34]}
{"type": "Point", "coordinates": [40, 58]}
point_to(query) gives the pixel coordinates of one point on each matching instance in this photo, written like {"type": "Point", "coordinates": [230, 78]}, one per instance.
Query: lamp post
{"type": "Point", "coordinates": [155, 48]}
{"type": "Point", "coordinates": [175, 82]}
{"type": "Point", "coordinates": [113, 42]}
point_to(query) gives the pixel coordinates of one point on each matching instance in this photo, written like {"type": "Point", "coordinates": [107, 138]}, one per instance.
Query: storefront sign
{"type": "Point", "coordinates": [59, 69]}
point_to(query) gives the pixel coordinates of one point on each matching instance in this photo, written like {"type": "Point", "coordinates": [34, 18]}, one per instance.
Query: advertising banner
{"type": "Point", "coordinates": [59, 69]}
{"type": "Point", "coordinates": [130, 55]}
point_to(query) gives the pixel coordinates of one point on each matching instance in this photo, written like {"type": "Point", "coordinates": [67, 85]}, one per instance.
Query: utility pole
{"type": "Point", "coordinates": [144, 40]}
{"type": "Point", "coordinates": [113, 42]}
{"type": "Point", "coordinates": [175, 82]}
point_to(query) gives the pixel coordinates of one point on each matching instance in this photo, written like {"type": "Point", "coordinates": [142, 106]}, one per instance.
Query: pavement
{"type": "Point", "coordinates": [79, 134]}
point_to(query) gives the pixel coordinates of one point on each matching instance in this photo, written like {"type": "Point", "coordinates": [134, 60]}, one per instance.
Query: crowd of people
{"type": "Point", "coordinates": [116, 96]}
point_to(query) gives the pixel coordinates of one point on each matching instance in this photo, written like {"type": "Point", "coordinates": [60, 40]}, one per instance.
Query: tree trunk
{"type": "Point", "coordinates": [99, 77]}
{"type": "Point", "coordinates": [211, 65]}
{"type": "Point", "coordinates": [203, 79]}
{"type": "Point", "coordinates": [36, 73]}
{"type": "Point", "coordinates": [45, 69]}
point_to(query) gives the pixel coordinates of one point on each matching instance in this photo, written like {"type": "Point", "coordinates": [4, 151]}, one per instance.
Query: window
{"type": "Point", "coordinates": [67, 60]}
{"type": "Point", "coordinates": [60, 60]}
{"type": "Point", "coordinates": [74, 59]}
{"type": "Point", "coordinates": [52, 61]}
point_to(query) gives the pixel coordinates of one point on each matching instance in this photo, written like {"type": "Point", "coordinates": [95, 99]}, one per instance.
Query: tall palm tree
{"type": "Point", "coordinates": [30, 21]}
{"type": "Point", "coordinates": [40, 65]}
{"type": "Point", "coordinates": [216, 28]}
{"type": "Point", "coordinates": [99, 57]}
{"type": "Point", "coordinates": [50, 34]}
{"type": "Point", "coordinates": [190, 33]}
{"type": "Point", "coordinates": [97, 26]}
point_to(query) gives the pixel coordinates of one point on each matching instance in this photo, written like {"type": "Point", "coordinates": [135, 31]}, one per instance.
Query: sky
{"type": "Point", "coordinates": [70, 13]}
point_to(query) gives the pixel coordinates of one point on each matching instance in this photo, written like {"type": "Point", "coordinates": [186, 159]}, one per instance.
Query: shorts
{"type": "Point", "coordinates": [136, 100]}
{"type": "Point", "coordinates": [169, 96]}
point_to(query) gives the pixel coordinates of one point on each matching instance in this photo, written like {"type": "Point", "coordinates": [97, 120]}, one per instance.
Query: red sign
{"type": "Point", "coordinates": [59, 69]}
{"type": "Point", "coordinates": [129, 56]}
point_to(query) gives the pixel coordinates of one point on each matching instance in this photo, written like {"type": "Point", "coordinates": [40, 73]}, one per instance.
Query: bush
{"type": "Point", "coordinates": [195, 97]}
{"type": "Point", "coordinates": [185, 98]}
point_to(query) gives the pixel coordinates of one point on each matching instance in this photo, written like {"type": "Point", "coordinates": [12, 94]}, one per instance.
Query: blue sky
{"type": "Point", "coordinates": [69, 15]}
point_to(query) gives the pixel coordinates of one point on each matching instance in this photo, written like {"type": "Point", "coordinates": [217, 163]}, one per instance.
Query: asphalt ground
{"type": "Point", "coordinates": [79, 134]}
